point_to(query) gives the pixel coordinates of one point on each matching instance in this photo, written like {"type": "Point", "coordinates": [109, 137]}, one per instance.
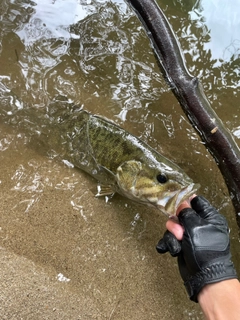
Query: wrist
{"type": "Point", "coordinates": [220, 300]}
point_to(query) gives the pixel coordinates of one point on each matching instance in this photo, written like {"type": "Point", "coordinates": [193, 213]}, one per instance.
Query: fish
{"type": "Point", "coordinates": [120, 162]}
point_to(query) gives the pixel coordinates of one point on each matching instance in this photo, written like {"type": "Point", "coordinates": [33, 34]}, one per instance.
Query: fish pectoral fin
{"type": "Point", "coordinates": [104, 190]}
{"type": "Point", "coordinates": [106, 182]}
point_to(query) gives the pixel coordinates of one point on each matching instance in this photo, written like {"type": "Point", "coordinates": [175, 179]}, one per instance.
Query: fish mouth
{"type": "Point", "coordinates": [170, 203]}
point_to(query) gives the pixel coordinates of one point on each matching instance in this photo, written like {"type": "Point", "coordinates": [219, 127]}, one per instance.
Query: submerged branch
{"type": "Point", "coordinates": [189, 92]}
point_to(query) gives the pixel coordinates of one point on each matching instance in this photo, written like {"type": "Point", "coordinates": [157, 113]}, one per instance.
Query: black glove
{"type": "Point", "coordinates": [204, 253]}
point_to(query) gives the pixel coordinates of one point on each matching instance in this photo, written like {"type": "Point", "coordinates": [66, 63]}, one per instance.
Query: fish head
{"type": "Point", "coordinates": [164, 186]}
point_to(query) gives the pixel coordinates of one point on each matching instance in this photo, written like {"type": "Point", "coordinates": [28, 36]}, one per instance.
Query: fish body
{"type": "Point", "coordinates": [121, 162]}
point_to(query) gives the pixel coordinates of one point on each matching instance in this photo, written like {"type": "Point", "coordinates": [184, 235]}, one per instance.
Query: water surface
{"type": "Point", "coordinates": [101, 255]}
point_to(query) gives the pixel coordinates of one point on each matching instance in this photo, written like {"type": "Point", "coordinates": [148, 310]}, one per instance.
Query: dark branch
{"type": "Point", "coordinates": [189, 92]}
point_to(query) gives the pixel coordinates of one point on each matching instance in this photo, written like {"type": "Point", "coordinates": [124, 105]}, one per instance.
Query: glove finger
{"type": "Point", "coordinates": [189, 219]}
{"type": "Point", "coordinates": [203, 207]}
{"type": "Point", "coordinates": [206, 211]}
{"type": "Point", "coordinates": [161, 246]}
{"type": "Point", "coordinates": [169, 243]}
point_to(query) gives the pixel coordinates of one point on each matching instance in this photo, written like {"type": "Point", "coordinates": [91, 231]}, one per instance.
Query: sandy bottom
{"type": "Point", "coordinates": [65, 254]}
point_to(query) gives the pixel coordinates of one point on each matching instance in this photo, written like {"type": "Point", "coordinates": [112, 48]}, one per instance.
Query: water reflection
{"type": "Point", "coordinates": [5, 142]}
{"type": "Point", "coordinates": [221, 20]}
{"type": "Point", "coordinates": [69, 55]}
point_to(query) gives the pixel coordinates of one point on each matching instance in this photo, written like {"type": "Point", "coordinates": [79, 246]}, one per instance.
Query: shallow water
{"type": "Point", "coordinates": [101, 255]}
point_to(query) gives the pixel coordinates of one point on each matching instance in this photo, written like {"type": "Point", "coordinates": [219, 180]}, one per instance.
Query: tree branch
{"type": "Point", "coordinates": [189, 92]}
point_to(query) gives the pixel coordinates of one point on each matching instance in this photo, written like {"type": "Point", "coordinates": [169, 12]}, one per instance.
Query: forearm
{"type": "Point", "coordinates": [220, 301]}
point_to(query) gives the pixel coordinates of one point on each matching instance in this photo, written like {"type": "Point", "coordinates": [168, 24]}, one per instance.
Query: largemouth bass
{"type": "Point", "coordinates": [120, 161]}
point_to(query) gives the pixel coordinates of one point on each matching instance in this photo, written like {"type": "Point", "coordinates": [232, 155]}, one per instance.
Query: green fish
{"type": "Point", "coordinates": [120, 161]}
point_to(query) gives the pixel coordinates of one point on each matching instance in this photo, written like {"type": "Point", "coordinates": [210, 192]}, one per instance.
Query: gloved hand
{"type": "Point", "coordinates": [204, 252]}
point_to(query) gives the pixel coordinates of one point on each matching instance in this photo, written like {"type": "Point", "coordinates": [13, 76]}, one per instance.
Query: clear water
{"type": "Point", "coordinates": [96, 54]}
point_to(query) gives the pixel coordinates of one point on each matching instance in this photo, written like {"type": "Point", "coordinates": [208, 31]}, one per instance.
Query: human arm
{"type": "Point", "coordinates": [201, 242]}
{"type": "Point", "coordinates": [220, 301]}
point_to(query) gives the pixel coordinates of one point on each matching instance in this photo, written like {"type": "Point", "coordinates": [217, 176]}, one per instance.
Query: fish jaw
{"type": "Point", "coordinates": [169, 204]}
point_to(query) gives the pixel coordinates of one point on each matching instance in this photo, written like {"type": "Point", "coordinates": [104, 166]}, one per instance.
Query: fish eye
{"type": "Point", "coordinates": [161, 178]}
